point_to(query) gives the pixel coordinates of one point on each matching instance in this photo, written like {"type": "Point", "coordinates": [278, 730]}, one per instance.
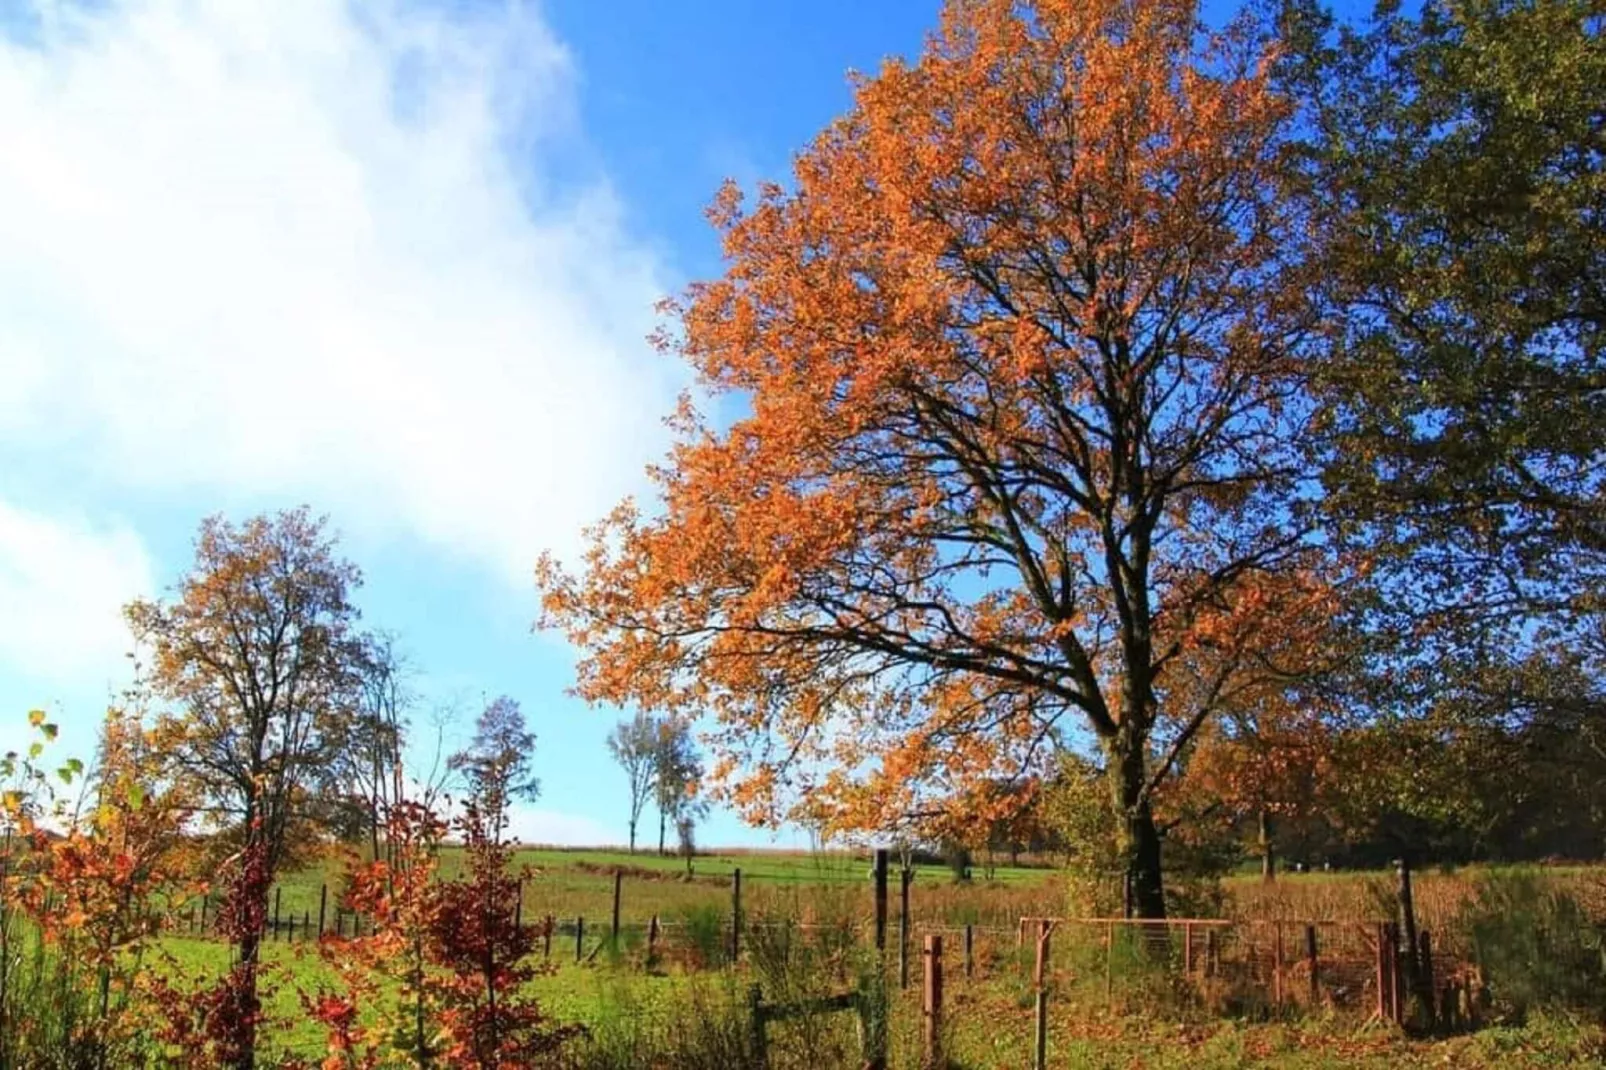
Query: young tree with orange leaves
{"type": "Point", "coordinates": [1023, 385]}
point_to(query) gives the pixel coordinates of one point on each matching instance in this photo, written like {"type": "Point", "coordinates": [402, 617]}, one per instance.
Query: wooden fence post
{"type": "Point", "coordinates": [323, 905]}
{"type": "Point", "coordinates": [1390, 1005]}
{"type": "Point", "coordinates": [652, 941]}
{"type": "Point", "coordinates": [518, 906]}
{"type": "Point", "coordinates": [579, 935]}
{"type": "Point", "coordinates": [757, 1041]}
{"type": "Point", "coordinates": [906, 876]}
{"type": "Point", "coordinates": [618, 892]}
{"type": "Point", "coordinates": [1040, 982]}
{"type": "Point", "coordinates": [878, 876]}
{"type": "Point", "coordinates": [278, 894]}
{"type": "Point", "coordinates": [932, 1003]}
{"type": "Point", "coordinates": [1310, 960]}
{"type": "Point", "coordinates": [970, 951]}
{"type": "Point", "coordinates": [1109, 966]}
{"type": "Point", "coordinates": [1187, 949]}
{"type": "Point", "coordinates": [1277, 963]}
{"type": "Point", "coordinates": [306, 924]}
{"type": "Point", "coordinates": [546, 937]}
{"type": "Point", "coordinates": [736, 915]}
{"type": "Point", "coordinates": [1424, 968]}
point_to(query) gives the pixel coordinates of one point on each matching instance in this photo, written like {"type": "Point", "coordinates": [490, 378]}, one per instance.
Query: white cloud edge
{"type": "Point", "coordinates": [231, 264]}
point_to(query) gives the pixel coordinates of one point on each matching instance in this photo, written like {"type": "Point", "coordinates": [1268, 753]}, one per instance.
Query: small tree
{"type": "Point", "coordinates": [676, 771]}
{"type": "Point", "coordinates": [497, 762]}
{"type": "Point", "coordinates": [686, 830]}
{"type": "Point", "coordinates": [634, 746]}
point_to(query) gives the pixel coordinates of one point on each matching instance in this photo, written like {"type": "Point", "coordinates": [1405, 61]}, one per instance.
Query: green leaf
{"type": "Point", "coordinates": [136, 796]}
{"type": "Point", "coordinates": [50, 729]}
{"type": "Point", "coordinates": [35, 749]}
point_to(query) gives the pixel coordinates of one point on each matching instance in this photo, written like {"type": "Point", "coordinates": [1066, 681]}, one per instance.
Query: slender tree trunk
{"type": "Point", "coordinates": [662, 821]}
{"type": "Point", "coordinates": [632, 836]}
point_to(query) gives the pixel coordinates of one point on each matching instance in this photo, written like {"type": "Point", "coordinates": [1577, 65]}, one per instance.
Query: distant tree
{"type": "Point", "coordinates": [676, 772]}
{"type": "Point", "coordinates": [256, 649]}
{"type": "Point", "coordinates": [497, 762]}
{"type": "Point", "coordinates": [686, 831]}
{"type": "Point", "coordinates": [373, 756]}
{"type": "Point", "coordinates": [634, 746]}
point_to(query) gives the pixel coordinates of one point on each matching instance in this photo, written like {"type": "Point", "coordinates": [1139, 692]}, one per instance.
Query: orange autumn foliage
{"type": "Point", "coordinates": [1021, 378]}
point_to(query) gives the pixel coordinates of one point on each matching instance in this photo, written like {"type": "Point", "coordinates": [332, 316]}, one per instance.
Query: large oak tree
{"type": "Point", "coordinates": [1021, 381]}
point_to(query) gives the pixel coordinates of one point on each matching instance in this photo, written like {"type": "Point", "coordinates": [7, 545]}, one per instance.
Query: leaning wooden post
{"type": "Point", "coordinates": [907, 875]}
{"type": "Point", "coordinates": [278, 894]}
{"type": "Point", "coordinates": [546, 937]}
{"type": "Point", "coordinates": [1310, 961]}
{"type": "Point", "coordinates": [736, 915]}
{"type": "Point", "coordinates": [931, 1008]}
{"type": "Point", "coordinates": [970, 951]}
{"type": "Point", "coordinates": [1040, 982]}
{"type": "Point", "coordinates": [652, 941]}
{"type": "Point", "coordinates": [323, 906]}
{"type": "Point", "coordinates": [518, 906]}
{"type": "Point", "coordinates": [579, 935]}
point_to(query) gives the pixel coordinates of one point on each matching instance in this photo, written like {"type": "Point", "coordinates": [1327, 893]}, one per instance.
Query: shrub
{"type": "Point", "coordinates": [1538, 948]}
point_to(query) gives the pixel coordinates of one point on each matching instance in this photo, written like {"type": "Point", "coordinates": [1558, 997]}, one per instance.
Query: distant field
{"type": "Point", "coordinates": [567, 883]}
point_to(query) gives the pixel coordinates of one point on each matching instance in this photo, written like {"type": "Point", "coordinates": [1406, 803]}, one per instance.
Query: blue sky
{"type": "Point", "coordinates": [394, 260]}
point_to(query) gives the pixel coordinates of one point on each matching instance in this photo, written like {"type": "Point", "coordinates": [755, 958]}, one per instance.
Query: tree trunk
{"type": "Point", "coordinates": [1268, 852]}
{"type": "Point", "coordinates": [662, 821]}
{"type": "Point", "coordinates": [246, 1005]}
{"type": "Point", "coordinates": [1140, 837]}
{"type": "Point", "coordinates": [632, 837]}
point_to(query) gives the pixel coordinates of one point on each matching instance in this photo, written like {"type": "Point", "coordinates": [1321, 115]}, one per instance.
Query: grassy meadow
{"type": "Point", "coordinates": [805, 924]}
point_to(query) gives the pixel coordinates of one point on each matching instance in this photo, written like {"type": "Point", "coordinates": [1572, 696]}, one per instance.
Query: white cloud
{"type": "Point", "coordinates": [63, 585]}
{"type": "Point", "coordinates": [315, 250]}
